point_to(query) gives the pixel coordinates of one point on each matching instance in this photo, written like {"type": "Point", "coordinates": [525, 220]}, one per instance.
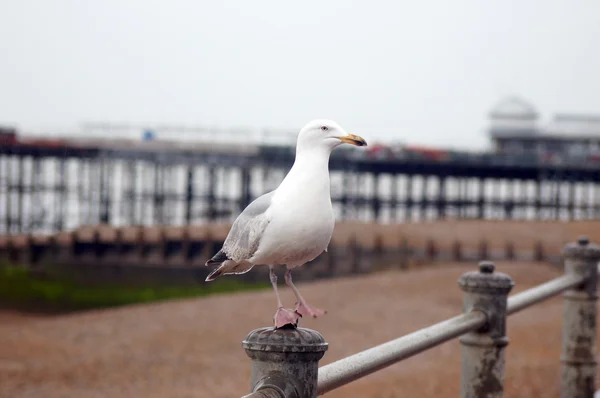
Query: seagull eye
{"type": "Point", "coordinates": [324, 128]}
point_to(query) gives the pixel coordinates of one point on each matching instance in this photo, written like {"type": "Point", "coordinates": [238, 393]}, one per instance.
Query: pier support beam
{"type": "Point", "coordinates": [481, 199]}
{"type": "Point", "coordinates": [246, 194]}
{"type": "Point", "coordinates": [189, 195]}
{"type": "Point", "coordinates": [441, 200]}
{"type": "Point", "coordinates": [408, 203]}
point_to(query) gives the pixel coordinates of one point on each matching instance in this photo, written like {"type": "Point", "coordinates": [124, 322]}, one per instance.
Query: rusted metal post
{"type": "Point", "coordinates": [430, 250]}
{"type": "Point", "coordinates": [579, 328]}
{"type": "Point", "coordinates": [483, 349]}
{"type": "Point", "coordinates": [484, 250]}
{"type": "Point", "coordinates": [404, 254]}
{"type": "Point", "coordinates": [284, 362]}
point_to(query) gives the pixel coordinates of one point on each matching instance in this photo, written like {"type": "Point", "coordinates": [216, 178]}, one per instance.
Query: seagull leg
{"type": "Point", "coordinates": [302, 306]}
{"type": "Point", "coordinates": [283, 316]}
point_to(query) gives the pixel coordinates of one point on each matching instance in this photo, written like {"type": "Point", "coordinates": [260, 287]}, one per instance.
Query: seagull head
{"type": "Point", "coordinates": [323, 133]}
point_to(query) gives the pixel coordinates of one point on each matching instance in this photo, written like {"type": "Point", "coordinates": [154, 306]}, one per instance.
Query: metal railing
{"type": "Point", "coordinates": [285, 361]}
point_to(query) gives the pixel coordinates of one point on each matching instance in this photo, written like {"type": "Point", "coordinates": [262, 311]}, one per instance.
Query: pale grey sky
{"type": "Point", "coordinates": [421, 71]}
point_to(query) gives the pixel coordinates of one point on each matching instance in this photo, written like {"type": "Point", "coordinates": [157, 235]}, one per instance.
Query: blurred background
{"type": "Point", "coordinates": [132, 133]}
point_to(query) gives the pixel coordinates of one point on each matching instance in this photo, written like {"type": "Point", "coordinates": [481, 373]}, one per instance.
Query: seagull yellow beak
{"type": "Point", "coordinates": [353, 140]}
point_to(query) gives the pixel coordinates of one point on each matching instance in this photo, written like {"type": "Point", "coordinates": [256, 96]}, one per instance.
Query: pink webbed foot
{"type": "Point", "coordinates": [306, 310]}
{"type": "Point", "coordinates": [285, 316]}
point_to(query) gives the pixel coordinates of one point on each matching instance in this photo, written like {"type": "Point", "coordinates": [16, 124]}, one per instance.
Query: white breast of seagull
{"type": "Point", "coordinates": [301, 215]}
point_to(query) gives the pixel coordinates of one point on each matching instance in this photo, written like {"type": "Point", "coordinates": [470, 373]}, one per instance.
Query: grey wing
{"type": "Point", "coordinates": [243, 238]}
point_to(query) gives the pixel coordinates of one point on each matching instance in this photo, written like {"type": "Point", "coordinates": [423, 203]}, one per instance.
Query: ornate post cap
{"type": "Point", "coordinates": [486, 280]}
{"type": "Point", "coordinates": [285, 360]}
{"type": "Point", "coordinates": [297, 340]}
{"type": "Point", "coordinates": [582, 249]}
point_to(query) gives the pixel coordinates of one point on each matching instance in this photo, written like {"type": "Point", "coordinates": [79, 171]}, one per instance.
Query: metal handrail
{"type": "Point", "coordinates": [366, 362]}
{"type": "Point", "coordinates": [542, 292]}
{"type": "Point", "coordinates": [354, 367]}
{"type": "Point", "coordinates": [266, 393]}
{"type": "Point", "coordinates": [290, 358]}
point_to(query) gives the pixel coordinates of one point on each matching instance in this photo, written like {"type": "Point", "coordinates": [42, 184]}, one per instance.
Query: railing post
{"type": "Point", "coordinates": [483, 349]}
{"type": "Point", "coordinates": [285, 362]}
{"type": "Point", "coordinates": [579, 328]}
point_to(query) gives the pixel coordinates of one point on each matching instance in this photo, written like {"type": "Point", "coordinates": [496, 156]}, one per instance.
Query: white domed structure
{"type": "Point", "coordinates": [513, 116]}
{"type": "Point", "coordinates": [514, 130]}
{"type": "Point", "coordinates": [513, 107]}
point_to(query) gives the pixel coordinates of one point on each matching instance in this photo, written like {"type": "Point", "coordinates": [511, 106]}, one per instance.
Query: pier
{"type": "Point", "coordinates": [48, 188]}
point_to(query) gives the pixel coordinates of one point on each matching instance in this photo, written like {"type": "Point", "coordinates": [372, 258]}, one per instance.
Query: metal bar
{"type": "Point", "coordinates": [366, 362]}
{"type": "Point", "coordinates": [266, 393]}
{"type": "Point", "coordinates": [542, 292]}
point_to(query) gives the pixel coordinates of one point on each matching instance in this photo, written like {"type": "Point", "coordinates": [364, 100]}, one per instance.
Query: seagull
{"type": "Point", "coordinates": [291, 225]}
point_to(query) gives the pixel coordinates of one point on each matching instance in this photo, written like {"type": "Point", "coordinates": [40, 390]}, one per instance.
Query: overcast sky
{"type": "Point", "coordinates": [421, 71]}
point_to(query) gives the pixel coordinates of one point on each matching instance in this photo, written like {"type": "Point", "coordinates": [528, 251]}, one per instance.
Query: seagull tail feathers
{"type": "Point", "coordinates": [214, 275]}
{"type": "Point", "coordinates": [226, 266]}
{"type": "Point", "coordinates": [218, 258]}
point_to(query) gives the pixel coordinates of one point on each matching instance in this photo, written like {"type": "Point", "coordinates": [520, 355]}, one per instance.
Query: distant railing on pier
{"type": "Point", "coordinates": [285, 361]}
{"type": "Point", "coordinates": [179, 253]}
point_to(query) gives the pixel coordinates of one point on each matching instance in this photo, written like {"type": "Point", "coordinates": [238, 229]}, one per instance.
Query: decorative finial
{"type": "Point", "coordinates": [583, 240]}
{"type": "Point", "coordinates": [486, 267]}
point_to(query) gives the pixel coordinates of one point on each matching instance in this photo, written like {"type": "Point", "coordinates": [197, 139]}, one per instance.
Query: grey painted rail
{"type": "Point", "coordinates": [354, 367]}
{"type": "Point", "coordinates": [268, 392]}
{"type": "Point", "coordinates": [542, 292]}
{"type": "Point", "coordinates": [285, 361]}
